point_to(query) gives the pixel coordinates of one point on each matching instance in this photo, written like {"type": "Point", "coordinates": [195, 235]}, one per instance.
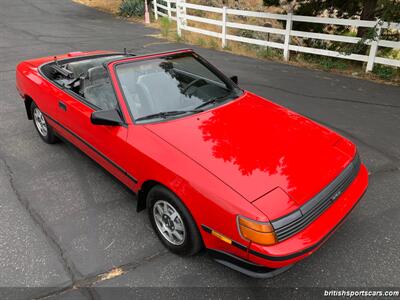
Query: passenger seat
{"type": "Point", "coordinates": [158, 90]}
{"type": "Point", "coordinates": [98, 90]}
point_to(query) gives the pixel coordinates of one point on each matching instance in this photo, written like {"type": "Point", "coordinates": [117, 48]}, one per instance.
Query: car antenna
{"type": "Point", "coordinates": [128, 53]}
{"type": "Point", "coordinates": [56, 61]}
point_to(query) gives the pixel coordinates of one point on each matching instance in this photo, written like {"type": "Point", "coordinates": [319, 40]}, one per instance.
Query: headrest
{"type": "Point", "coordinates": [97, 73]}
{"type": "Point", "coordinates": [79, 67]}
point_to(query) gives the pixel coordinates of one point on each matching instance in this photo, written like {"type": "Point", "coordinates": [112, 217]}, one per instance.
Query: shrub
{"type": "Point", "coordinates": [131, 8]}
{"type": "Point", "coordinates": [271, 2]}
{"type": "Point", "coordinates": [247, 33]}
{"type": "Point", "coordinates": [332, 63]}
{"type": "Point", "coordinates": [165, 24]}
{"type": "Point", "coordinates": [267, 52]}
{"type": "Point", "coordinates": [384, 72]}
{"type": "Point", "coordinates": [327, 63]}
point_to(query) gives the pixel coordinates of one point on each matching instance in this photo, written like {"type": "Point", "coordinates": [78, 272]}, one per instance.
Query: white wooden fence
{"type": "Point", "coordinates": [177, 10]}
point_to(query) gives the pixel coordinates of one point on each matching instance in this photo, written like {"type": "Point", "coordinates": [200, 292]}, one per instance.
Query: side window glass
{"type": "Point", "coordinates": [97, 88]}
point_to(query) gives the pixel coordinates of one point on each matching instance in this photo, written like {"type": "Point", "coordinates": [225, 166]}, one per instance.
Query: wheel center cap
{"type": "Point", "coordinates": [168, 222]}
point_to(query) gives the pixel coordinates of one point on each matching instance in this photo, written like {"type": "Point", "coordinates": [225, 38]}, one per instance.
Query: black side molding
{"type": "Point", "coordinates": [94, 149]}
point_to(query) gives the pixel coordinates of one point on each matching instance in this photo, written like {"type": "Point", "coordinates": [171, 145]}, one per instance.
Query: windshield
{"type": "Point", "coordinates": [172, 86]}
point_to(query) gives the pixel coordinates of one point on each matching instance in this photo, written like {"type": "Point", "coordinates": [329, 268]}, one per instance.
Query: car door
{"type": "Point", "coordinates": [105, 144]}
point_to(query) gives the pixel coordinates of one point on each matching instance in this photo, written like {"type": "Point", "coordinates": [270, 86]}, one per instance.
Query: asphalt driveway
{"type": "Point", "coordinates": [65, 222]}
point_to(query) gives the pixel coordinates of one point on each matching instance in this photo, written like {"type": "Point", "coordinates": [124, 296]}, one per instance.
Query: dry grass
{"type": "Point", "coordinates": [112, 274]}
{"type": "Point", "coordinates": [104, 5]}
{"type": "Point", "coordinates": [109, 6]}
{"type": "Point", "coordinates": [352, 69]}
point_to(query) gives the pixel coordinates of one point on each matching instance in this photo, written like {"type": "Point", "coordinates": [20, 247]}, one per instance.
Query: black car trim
{"type": "Point", "coordinates": [293, 255]}
{"type": "Point", "coordinates": [93, 148]}
{"type": "Point", "coordinates": [206, 228]}
{"type": "Point", "coordinates": [244, 266]}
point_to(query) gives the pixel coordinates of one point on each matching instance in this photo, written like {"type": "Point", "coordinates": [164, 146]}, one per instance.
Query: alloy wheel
{"type": "Point", "coordinates": [40, 122]}
{"type": "Point", "coordinates": [169, 222]}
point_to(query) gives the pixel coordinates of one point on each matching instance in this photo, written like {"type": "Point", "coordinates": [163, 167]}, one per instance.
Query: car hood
{"type": "Point", "coordinates": [255, 146]}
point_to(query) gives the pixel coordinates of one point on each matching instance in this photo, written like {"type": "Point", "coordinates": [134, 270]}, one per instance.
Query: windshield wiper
{"type": "Point", "coordinates": [166, 114]}
{"type": "Point", "coordinates": [213, 100]}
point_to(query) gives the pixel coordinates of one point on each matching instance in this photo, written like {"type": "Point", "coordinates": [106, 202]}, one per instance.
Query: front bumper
{"type": "Point", "coordinates": [304, 243]}
{"type": "Point", "coordinates": [245, 267]}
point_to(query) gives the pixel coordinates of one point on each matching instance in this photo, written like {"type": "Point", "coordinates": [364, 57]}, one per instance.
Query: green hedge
{"type": "Point", "coordinates": [131, 8]}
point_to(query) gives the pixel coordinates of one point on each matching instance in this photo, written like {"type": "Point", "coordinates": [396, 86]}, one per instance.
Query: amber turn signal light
{"type": "Point", "coordinates": [258, 232]}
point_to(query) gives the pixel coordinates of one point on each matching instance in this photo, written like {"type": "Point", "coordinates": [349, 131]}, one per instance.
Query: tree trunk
{"type": "Point", "coordinates": [368, 13]}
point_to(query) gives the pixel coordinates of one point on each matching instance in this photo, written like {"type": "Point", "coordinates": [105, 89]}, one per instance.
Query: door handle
{"type": "Point", "coordinates": [62, 105]}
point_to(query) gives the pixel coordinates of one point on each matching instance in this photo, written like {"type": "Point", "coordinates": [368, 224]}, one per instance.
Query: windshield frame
{"type": "Point", "coordinates": [179, 53]}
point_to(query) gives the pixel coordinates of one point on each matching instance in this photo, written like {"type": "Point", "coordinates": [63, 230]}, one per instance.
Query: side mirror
{"type": "Point", "coordinates": [235, 79]}
{"type": "Point", "coordinates": [106, 117]}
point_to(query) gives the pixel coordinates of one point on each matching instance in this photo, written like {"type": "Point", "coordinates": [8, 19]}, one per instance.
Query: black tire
{"type": "Point", "coordinates": [192, 241]}
{"type": "Point", "coordinates": [48, 136]}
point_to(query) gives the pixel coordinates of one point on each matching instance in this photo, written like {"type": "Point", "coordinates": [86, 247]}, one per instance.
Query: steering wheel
{"type": "Point", "coordinates": [193, 84]}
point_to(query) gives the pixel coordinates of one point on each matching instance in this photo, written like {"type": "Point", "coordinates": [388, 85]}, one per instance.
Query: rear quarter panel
{"type": "Point", "coordinates": [31, 84]}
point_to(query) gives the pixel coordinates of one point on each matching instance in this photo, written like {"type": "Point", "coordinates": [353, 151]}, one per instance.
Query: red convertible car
{"type": "Point", "coordinates": [217, 167]}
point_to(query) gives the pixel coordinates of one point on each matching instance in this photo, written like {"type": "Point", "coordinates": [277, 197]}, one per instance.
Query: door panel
{"type": "Point", "coordinates": [105, 144]}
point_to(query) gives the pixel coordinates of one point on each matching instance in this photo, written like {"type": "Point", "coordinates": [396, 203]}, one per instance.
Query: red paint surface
{"type": "Point", "coordinates": [249, 157]}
